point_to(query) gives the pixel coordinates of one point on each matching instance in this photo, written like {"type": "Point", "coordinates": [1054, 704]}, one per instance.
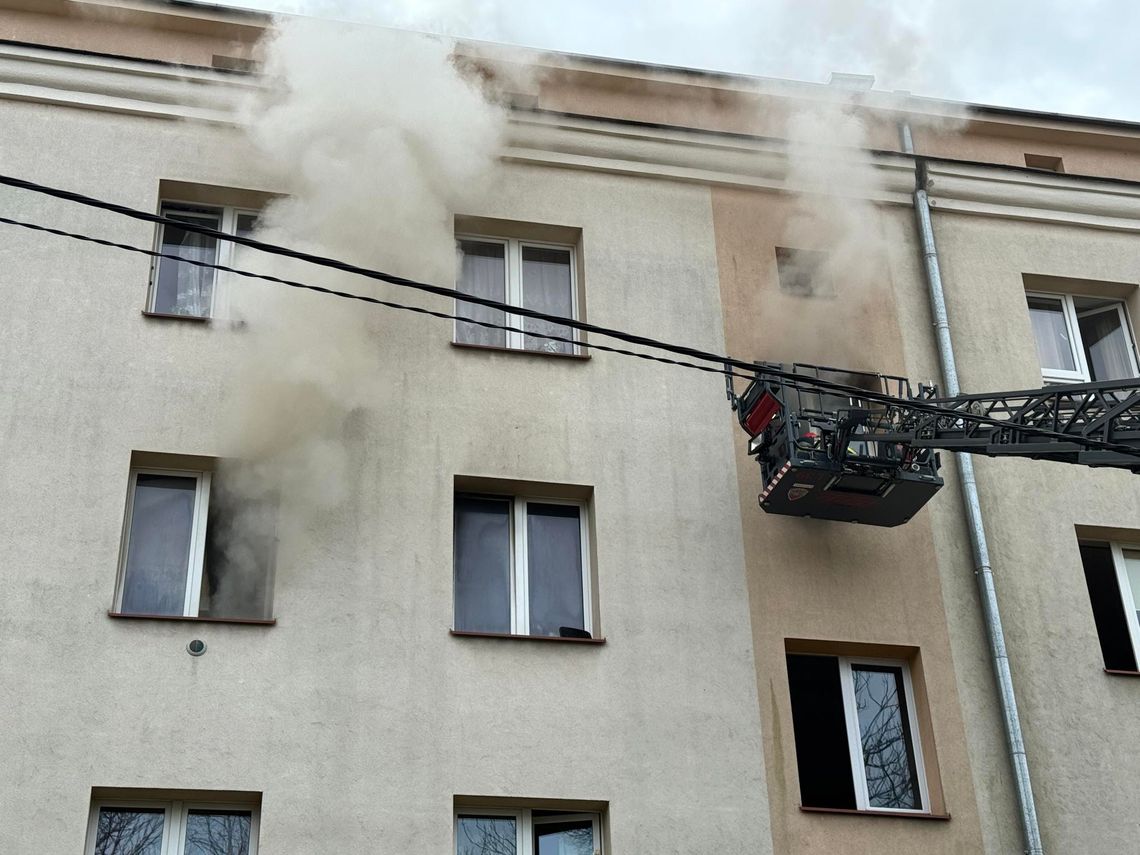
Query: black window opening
{"type": "Point", "coordinates": [855, 734]}
{"type": "Point", "coordinates": [1107, 598]}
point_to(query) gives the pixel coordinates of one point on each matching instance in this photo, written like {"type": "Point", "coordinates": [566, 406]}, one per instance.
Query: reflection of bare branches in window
{"type": "Point", "coordinates": [217, 833]}
{"type": "Point", "coordinates": [892, 781]}
{"type": "Point", "coordinates": [487, 836]}
{"type": "Point", "coordinates": [129, 832]}
{"type": "Point", "coordinates": [569, 841]}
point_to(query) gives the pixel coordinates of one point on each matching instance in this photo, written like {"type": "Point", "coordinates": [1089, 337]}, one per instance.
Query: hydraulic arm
{"type": "Point", "coordinates": [861, 447]}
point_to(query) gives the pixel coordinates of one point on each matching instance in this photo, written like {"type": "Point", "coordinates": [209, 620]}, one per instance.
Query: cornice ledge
{"type": "Point", "coordinates": [679, 154]}
{"type": "Point", "coordinates": [1015, 194]}
{"type": "Point", "coordinates": [121, 85]}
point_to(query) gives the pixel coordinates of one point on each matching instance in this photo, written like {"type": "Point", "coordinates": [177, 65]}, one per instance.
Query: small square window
{"type": "Point", "coordinates": [537, 276]}
{"type": "Point", "coordinates": [522, 566]}
{"type": "Point", "coordinates": [182, 557]}
{"type": "Point", "coordinates": [155, 826]}
{"type": "Point", "coordinates": [524, 831]}
{"type": "Point", "coordinates": [1112, 573]}
{"type": "Point", "coordinates": [803, 272]}
{"type": "Point", "coordinates": [183, 289]}
{"type": "Point", "coordinates": [1081, 339]}
{"type": "Point", "coordinates": [856, 734]}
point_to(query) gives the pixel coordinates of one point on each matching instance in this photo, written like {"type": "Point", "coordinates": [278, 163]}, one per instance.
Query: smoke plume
{"type": "Point", "coordinates": [375, 140]}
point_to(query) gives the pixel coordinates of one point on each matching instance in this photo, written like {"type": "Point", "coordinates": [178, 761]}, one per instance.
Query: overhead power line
{"type": "Point", "coordinates": [724, 364]}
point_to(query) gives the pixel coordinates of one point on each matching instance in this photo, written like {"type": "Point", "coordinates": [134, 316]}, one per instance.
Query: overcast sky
{"type": "Point", "coordinates": [1069, 56]}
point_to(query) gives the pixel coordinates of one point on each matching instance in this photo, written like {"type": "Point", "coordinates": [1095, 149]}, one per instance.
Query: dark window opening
{"type": "Point", "coordinates": [803, 272]}
{"type": "Point", "coordinates": [1108, 607]}
{"type": "Point", "coordinates": [823, 755]}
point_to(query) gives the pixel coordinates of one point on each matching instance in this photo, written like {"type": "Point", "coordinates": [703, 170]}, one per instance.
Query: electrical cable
{"type": "Point", "coordinates": [361, 297]}
{"type": "Point", "coordinates": [799, 382]}
{"type": "Point", "coordinates": [792, 379]}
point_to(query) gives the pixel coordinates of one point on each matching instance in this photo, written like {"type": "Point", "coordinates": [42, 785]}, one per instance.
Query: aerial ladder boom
{"type": "Point", "coordinates": [863, 447]}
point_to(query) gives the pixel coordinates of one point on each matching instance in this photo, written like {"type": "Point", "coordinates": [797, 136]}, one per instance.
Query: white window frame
{"type": "Point", "coordinates": [175, 820]}
{"type": "Point", "coordinates": [512, 257]}
{"type": "Point", "coordinates": [854, 738]}
{"type": "Point", "coordinates": [1128, 599]}
{"type": "Point", "coordinates": [196, 561]}
{"type": "Point", "coordinates": [525, 823]}
{"type": "Point", "coordinates": [224, 256]}
{"type": "Point", "coordinates": [1071, 314]}
{"type": "Point", "coordinates": [520, 569]}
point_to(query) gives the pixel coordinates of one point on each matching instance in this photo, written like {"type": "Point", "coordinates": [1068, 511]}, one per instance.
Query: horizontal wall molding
{"type": "Point", "coordinates": [994, 191]}
{"type": "Point", "coordinates": [155, 90]}
{"type": "Point", "coordinates": [117, 85]}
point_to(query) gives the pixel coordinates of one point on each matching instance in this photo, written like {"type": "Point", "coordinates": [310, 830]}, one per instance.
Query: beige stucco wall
{"type": "Point", "coordinates": [1078, 721]}
{"type": "Point", "coordinates": [812, 579]}
{"type": "Point", "coordinates": [358, 716]}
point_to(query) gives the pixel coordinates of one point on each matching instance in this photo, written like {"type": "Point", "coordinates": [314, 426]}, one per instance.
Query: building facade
{"type": "Point", "coordinates": [536, 603]}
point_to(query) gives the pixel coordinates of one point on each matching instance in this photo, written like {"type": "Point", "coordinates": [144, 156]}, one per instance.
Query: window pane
{"type": "Point", "coordinates": [245, 225]}
{"type": "Point", "coordinates": [564, 838]}
{"type": "Point", "coordinates": [184, 289]}
{"type": "Point", "coordinates": [482, 564]}
{"type": "Point", "coordinates": [1106, 345]}
{"type": "Point", "coordinates": [1132, 569]}
{"type": "Point", "coordinates": [554, 564]}
{"type": "Point", "coordinates": [129, 831]}
{"type": "Point", "coordinates": [482, 273]}
{"type": "Point", "coordinates": [888, 755]}
{"type": "Point", "coordinates": [1054, 346]}
{"type": "Point", "coordinates": [158, 549]}
{"type": "Point", "coordinates": [218, 832]}
{"type": "Point", "coordinates": [546, 288]}
{"type": "Point", "coordinates": [486, 835]}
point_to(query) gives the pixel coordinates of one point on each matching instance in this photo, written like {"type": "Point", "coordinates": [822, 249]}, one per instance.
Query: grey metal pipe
{"type": "Point", "coordinates": [981, 553]}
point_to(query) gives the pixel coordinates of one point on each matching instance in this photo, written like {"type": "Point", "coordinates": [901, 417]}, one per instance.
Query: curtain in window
{"type": "Point", "coordinates": [158, 550]}
{"type": "Point", "coordinates": [1106, 344]}
{"type": "Point", "coordinates": [184, 289]}
{"type": "Point", "coordinates": [547, 288]}
{"type": "Point", "coordinates": [554, 562]}
{"type": "Point", "coordinates": [482, 273]}
{"type": "Point", "coordinates": [1054, 349]}
{"type": "Point", "coordinates": [482, 564]}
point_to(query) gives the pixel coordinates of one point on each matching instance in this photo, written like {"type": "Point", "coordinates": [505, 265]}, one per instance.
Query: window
{"type": "Point", "coordinates": [1112, 573]}
{"type": "Point", "coordinates": [538, 276]}
{"type": "Point", "coordinates": [803, 272]}
{"type": "Point", "coordinates": [183, 557]}
{"type": "Point", "coordinates": [1045, 161]}
{"type": "Point", "coordinates": [182, 289]}
{"type": "Point", "coordinates": [1081, 338]}
{"type": "Point", "coordinates": [527, 832]}
{"type": "Point", "coordinates": [521, 566]}
{"type": "Point", "coordinates": [856, 734]}
{"type": "Point", "coordinates": [151, 827]}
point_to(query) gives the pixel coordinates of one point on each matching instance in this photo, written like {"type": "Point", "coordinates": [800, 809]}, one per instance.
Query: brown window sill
{"type": "Point", "coordinates": [170, 316]}
{"type": "Point", "coordinates": [497, 349]}
{"type": "Point", "coordinates": [252, 621]}
{"type": "Point", "coordinates": [942, 817]}
{"type": "Point", "coordinates": [468, 634]}
{"type": "Point", "coordinates": [1116, 673]}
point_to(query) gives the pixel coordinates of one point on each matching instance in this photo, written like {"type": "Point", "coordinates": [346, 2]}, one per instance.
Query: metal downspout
{"type": "Point", "coordinates": [982, 569]}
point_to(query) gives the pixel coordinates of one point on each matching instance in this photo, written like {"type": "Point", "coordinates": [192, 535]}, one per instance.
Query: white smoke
{"type": "Point", "coordinates": [376, 139]}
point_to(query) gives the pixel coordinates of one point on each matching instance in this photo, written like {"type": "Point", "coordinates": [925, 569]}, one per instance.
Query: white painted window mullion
{"type": "Point", "coordinates": [1127, 598]}
{"type": "Point", "coordinates": [854, 740]}
{"type": "Point", "coordinates": [514, 291]}
{"type": "Point", "coordinates": [197, 546]}
{"type": "Point", "coordinates": [522, 568]}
